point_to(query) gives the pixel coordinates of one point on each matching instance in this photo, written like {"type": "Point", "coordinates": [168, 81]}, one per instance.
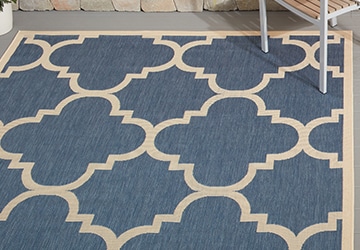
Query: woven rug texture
{"type": "Point", "coordinates": [175, 140]}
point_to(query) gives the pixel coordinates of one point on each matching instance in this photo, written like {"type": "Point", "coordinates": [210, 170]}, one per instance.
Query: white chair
{"type": "Point", "coordinates": [318, 12]}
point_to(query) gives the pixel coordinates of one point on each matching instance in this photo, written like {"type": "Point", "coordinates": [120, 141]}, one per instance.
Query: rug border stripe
{"type": "Point", "coordinates": [348, 135]}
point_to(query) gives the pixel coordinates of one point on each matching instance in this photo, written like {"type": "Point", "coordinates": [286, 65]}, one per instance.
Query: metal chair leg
{"type": "Point", "coordinates": [323, 46]}
{"type": "Point", "coordinates": [263, 26]}
{"type": "Point", "coordinates": [333, 22]}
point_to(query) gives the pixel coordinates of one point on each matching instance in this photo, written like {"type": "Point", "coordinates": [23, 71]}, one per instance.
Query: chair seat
{"type": "Point", "coordinates": [312, 7]}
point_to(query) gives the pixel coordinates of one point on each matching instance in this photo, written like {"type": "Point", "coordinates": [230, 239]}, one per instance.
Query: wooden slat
{"type": "Point", "coordinates": [343, 4]}
{"type": "Point", "coordinates": [336, 6]}
{"type": "Point", "coordinates": [317, 4]}
{"type": "Point", "coordinates": [300, 6]}
{"type": "Point", "coordinates": [312, 7]}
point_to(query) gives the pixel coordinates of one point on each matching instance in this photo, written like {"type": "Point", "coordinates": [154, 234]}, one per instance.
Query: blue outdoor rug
{"type": "Point", "coordinates": [175, 140]}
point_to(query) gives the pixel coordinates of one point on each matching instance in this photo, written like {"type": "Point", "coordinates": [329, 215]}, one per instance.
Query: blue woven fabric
{"type": "Point", "coordinates": [163, 141]}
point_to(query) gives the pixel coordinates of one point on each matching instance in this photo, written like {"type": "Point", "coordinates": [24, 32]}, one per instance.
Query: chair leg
{"type": "Point", "coordinates": [263, 26]}
{"type": "Point", "coordinates": [333, 22]}
{"type": "Point", "coordinates": [323, 63]}
{"type": "Point", "coordinates": [323, 47]}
